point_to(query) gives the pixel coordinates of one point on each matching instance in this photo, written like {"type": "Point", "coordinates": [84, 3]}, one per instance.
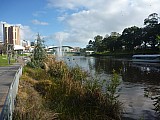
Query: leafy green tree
{"type": "Point", "coordinates": [97, 43]}
{"type": "Point", "coordinates": [112, 43]}
{"type": "Point", "coordinates": [131, 37]}
{"type": "Point", "coordinates": [158, 41]}
{"type": "Point", "coordinates": [39, 54]}
{"type": "Point", "coordinates": [151, 30]}
{"type": "Point", "coordinates": [90, 45]}
{"type": "Point", "coordinates": [144, 37]}
{"type": "Point", "coordinates": [151, 20]}
{"type": "Point", "coordinates": [109, 43]}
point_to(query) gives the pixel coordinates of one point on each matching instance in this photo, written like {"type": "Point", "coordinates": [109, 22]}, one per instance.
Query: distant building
{"type": "Point", "coordinates": [63, 50]}
{"type": "Point", "coordinates": [89, 52]}
{"type": "Point", "coordinates": [11, 34]}
{"type": "Point", "coordinates": [67, 49]}
{"type": "Point", "coordinates": [27, 45]}
{"type": "Point", "coordinates": [11, 37]}
{"type": "Point", "coordinates": [76, 49]}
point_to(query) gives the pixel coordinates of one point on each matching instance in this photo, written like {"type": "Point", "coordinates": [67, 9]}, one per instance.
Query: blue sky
{"type": "Point", "coordinates": [74, 22]}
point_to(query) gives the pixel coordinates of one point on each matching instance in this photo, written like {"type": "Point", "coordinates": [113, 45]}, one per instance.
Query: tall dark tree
{"type": "Point", "coordinates": [131, 37]}
{"type": "Point", "coordinates": [112, 43]}
{"type": "Point", "coordinates": [98, 43]}
{"type": "Point", "coordinates": [151, 20]}
{"type": "Point", "coordinates": [151, 30]}
{"type": "Point", "coordinates": [158, 41]}
{"type": "Point", "coordinates": [90, 45]}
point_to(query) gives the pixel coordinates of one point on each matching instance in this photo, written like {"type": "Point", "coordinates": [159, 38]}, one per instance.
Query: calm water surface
{"type": "Point", "coordinates": [137, 81]}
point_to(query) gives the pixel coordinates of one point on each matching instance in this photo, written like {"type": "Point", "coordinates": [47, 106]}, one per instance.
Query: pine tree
{"type": "Point", "coordinates": [39, 54]}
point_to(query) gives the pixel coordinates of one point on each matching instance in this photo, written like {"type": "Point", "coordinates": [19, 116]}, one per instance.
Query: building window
{"type": "Point", "coordinates": [15, 35]}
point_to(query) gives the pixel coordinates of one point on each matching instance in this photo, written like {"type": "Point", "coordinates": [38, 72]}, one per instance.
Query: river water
{"type": "Point", "coordinates": [139, 82]}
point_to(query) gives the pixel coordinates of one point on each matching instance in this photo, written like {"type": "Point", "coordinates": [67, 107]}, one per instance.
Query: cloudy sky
{"type": "Point", "coordinates": [74, 22]}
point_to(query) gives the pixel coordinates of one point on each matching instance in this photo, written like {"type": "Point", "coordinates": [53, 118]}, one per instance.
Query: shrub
{"type": "Point", "coordinates": [43, 86]}
{"type": "Point", "coordinates": [29, 105]}
{"type": "Point", "coordinates": [36, 73]}
{"type": "Point", "coordinates": [74, 95]}
{"type": "Point", "coordinates": [58, 70]}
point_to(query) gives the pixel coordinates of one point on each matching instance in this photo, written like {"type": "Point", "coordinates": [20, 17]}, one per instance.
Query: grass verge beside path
{"type": "Point", "coordinates": [4, 61]}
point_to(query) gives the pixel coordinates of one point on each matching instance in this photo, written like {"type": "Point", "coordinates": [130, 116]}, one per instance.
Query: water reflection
{"type": "Point", "coordinates": [137, 80]}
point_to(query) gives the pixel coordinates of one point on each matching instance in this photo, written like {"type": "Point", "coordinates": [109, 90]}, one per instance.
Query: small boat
{"type": "Point", "coordinates": [146, 58]}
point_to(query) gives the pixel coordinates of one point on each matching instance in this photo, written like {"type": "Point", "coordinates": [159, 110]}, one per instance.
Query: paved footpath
{"type": "Point", "coordinates": [6, 77]}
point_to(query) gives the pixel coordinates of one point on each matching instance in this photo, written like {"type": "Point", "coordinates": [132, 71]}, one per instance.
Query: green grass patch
{"type": "Point", "coordinates": [4, 61]}
{"type": "Point", "coordinates": [23, 54]}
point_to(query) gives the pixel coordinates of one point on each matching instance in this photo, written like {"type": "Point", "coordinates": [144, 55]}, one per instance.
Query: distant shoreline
{"type": "Point", "coordinates": [121, 54]}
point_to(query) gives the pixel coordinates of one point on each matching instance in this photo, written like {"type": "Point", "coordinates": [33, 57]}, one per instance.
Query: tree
{"type": "Point", "coordinates": [131, 37]}
{"type": "Point", "coordinates": [158, 41]}
{"type": "Point", "coordinates": [90, 45]}
{"type": "Point", "coordinates": [39, 54]}
{"type": "Point", "coordinates": [112, 43]}
{"type": "Point", "coordinates": [151, 30]}
{"type": "Point", "coordinates": [98, 43]}
{"type": "Point", "coordinates": [151, 20]}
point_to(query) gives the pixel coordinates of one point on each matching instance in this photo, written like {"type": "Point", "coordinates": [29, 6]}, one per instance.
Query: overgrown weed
{"type": "Point", "coordinates": [29, 104]}
{"type": "Point", "coordinates": [72, 94]}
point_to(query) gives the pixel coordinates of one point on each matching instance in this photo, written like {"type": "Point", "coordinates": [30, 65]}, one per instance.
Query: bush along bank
{"type": "Point", "coordinates": [68, 94]}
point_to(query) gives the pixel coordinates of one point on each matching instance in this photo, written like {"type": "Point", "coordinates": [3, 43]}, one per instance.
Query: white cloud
{"type": "Point", "coordinates": [39, 13]}
{"type": "Point", "coordinates": [26, 33]}
{"type": "Point", "coordinates": [37, 22]}
{"type": "Point", "coordinates": [62, 17]}
{"type": "Point", "coordinates": [63, 4]}
{"type": "Point", "coordinates": [88, 18]}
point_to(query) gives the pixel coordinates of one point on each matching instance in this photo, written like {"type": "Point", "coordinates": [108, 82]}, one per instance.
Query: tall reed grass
{"type": "Point", "coordinates": [30, 104]}
{"type": "Point", "coordinates": [78, 97]}
{"type": "Point", "coordinates": [73, 95]}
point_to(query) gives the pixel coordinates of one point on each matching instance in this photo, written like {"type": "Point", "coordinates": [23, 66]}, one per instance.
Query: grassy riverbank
{"type": "Point", "coordinates": [60, 92]}
{"type": "Point", "coordinates": [124, 54]}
